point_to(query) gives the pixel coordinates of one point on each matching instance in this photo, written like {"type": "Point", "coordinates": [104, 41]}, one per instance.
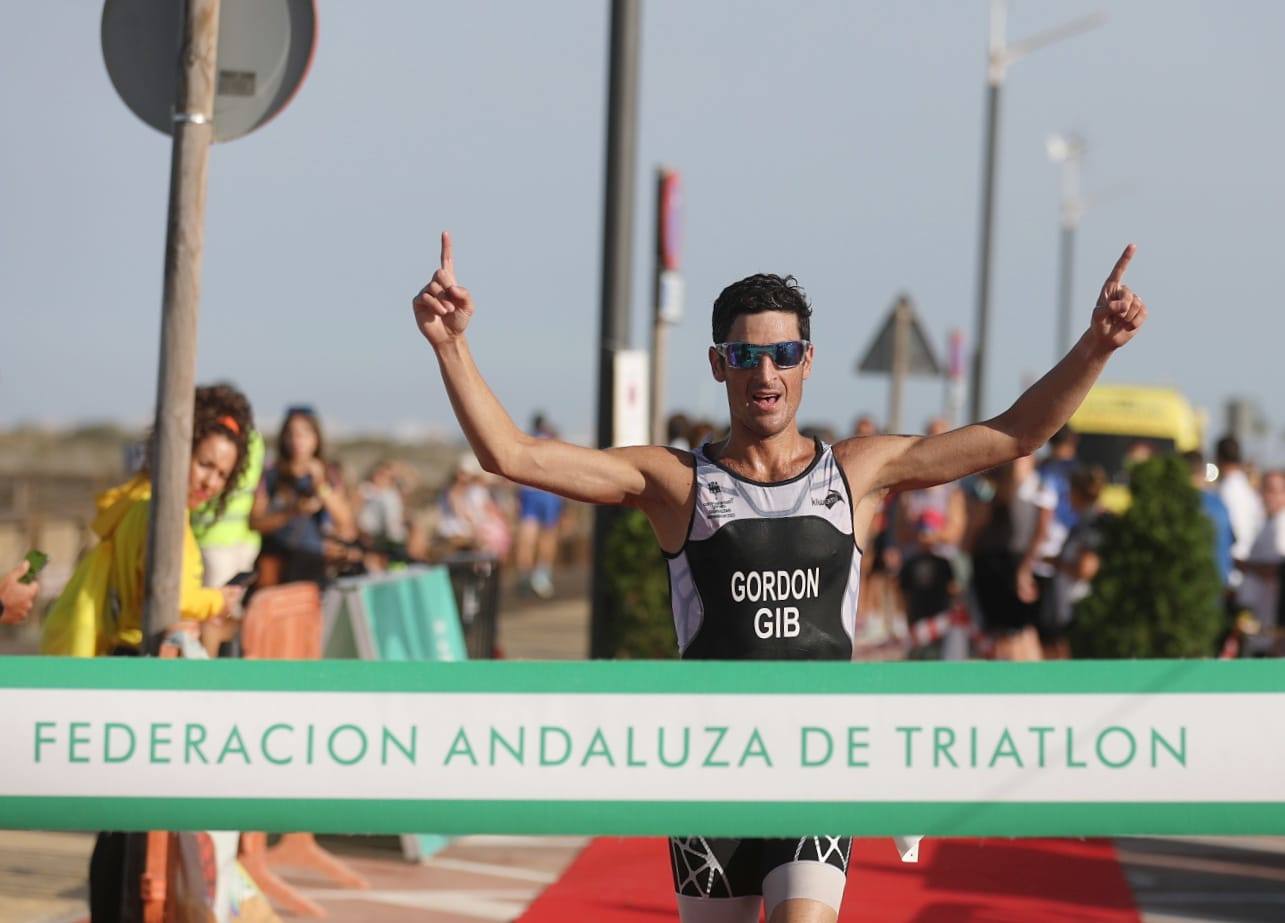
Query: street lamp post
{"type": "Point", "coordinates": [1000, 56]}
{"type": "Point", "coordinates": [1067, 150]}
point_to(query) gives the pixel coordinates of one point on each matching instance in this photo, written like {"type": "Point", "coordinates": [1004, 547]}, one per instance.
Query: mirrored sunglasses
{"type": "Point", "coordinates": [785, 355]}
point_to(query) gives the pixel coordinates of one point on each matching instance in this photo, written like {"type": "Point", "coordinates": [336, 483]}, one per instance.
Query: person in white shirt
{"type": "Point", "coordinates": [1260, 589]}
{"type": "Point", "coordinates": [1241, 500]}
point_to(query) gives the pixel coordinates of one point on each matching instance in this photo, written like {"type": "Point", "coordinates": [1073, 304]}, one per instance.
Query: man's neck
{"type": "Point", "coordinates": [766, 458]}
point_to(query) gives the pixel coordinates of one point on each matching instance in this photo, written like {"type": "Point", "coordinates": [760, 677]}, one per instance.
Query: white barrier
{"type": "Point", "coordinates": [768, 749]}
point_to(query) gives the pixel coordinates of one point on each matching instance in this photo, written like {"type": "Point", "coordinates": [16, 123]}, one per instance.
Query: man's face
{"type": "Point", "coordinates": [763, 399]}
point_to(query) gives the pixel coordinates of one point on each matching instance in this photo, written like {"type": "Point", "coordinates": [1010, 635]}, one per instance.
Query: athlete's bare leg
{"type": "Point", "coordinates": [801, 910]}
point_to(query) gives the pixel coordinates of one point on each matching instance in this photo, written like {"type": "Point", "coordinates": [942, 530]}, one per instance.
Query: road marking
{"type": "Point", "coordinates": [488, 868]}
{"type": "Point", "coordinates": [1240, 868]}
{"type": "Point", "coordinates": [1183, 898]}
{"type": "Point", "coordinates": [492, 840]}
{"type": "Point", "coordinates": [500, 905]}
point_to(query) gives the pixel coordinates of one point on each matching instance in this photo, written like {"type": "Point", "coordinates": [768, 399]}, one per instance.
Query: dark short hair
{"type": "Point", "coordinates": [756, 294]}
{"type": "Point", "coordinates": [1195, 460]}
{"type": "Point", "coordinates": [1227, 452]}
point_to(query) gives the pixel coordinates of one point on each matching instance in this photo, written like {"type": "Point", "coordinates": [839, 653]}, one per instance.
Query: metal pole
{"type": "Point", "coordinates": [1065, 270]}
{"type": "Point", "coordinates": [659, 345]}
{"type": "Point", "coordinates": [658, 325]}
{"type": "Point", "coordinates": [184, 239]}
{"type": "Point", "coordinates": [1000, 55]}
{"type": "Point", "coordinates": [977, 402]}
{"type": "Point", "coordinates": [617, 251]}
{"type": "Point", "coordinates": [1067, 150]}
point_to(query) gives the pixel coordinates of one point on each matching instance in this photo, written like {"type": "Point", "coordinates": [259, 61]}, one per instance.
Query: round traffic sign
{"type": "Point", "coordinates": [265, 49]}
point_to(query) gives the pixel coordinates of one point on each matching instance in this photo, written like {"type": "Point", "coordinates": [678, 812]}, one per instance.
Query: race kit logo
{"type": "Point", "coordinates": [829, 500]}
{"type": "Point", "coordinates": [720, 506]}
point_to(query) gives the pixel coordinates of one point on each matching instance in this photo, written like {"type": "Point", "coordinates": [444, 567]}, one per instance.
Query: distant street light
{"type": "Point", "coordinates": [1000, 57]}
{"type": "Point", "coordinates": [1067, 150]}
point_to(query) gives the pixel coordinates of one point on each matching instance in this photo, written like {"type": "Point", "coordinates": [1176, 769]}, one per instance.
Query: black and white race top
{"type": "Point", "coordinates": [769, 571]}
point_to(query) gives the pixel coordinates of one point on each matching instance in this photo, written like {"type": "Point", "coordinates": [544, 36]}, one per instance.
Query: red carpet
{"type": "Point", "coordinates": [956, 881]}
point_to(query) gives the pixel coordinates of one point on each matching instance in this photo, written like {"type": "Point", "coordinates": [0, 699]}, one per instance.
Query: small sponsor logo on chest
{"type": "Point", "coordinates": [718, 504]}
{"type": "Point", "coordinates": [832, 498]}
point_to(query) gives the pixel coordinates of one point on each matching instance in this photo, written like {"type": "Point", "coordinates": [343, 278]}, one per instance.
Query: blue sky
{"type": "Point", "coordinates": [839, 141]}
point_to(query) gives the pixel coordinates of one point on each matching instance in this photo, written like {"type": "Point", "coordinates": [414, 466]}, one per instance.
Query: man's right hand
{"type": "Point", "coordinates": [442, 308]}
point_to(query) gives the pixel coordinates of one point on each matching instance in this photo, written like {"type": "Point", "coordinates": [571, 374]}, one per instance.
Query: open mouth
{"type": "Point", "coordinates": [765, 400]}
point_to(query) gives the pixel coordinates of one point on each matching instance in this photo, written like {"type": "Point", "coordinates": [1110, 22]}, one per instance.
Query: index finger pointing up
{"type": "Point", "coordinates": [1117, 272]}
{"type": "Point", "coordinates": [448, 259]}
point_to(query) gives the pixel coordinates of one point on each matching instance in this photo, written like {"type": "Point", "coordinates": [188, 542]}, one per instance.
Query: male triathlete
{"type": "Point", "coordinates": [766, 515]}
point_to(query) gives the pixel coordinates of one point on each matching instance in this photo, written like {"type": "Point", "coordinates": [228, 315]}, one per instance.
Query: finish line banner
{"type": "Point", "coordinates": [645, 748]}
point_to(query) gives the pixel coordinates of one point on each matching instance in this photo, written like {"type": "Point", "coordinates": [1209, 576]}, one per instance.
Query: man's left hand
{"type": "Point", "coordinates": [1119, 311]}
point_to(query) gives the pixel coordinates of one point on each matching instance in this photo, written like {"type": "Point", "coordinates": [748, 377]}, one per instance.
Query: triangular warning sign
{"type": "Point", "coordinates": [920, 359]}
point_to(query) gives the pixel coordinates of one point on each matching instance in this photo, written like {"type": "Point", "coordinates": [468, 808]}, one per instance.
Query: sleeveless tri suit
{"type": "Point", "coordinates": [769, 571]}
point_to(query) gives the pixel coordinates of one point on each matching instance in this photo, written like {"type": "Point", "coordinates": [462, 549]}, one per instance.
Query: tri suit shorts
{"type": "Point", "coordinates": [711, 871]}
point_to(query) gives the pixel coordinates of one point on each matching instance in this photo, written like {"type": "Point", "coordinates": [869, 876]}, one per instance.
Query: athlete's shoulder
{"type": "Point", "coordinates": [667, 470]}
{"type": "Point", "coordinates": [863, 459]}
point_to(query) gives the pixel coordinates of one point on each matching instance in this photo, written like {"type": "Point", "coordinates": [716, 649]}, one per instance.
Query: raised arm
{"type": "Point", "coordinates": [443, 309]}
{"type": "Point", "coordinates": [900, 462]}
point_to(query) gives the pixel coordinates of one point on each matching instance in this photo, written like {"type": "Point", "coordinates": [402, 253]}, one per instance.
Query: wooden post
{"type": "Point", "coordinates": [193, 131]}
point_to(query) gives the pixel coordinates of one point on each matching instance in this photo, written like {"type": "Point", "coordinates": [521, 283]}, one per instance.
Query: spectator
{"type": "Point", "coordinates": [382, 519]}
{"type": "Point", "coordinates": [931, 520]}
{"type": "Point", "coordinates": [676, 430]}
{"type": "Point", "coordinates": [1215, 511]}
{"type": "Point", "coordinates": [539, 516]}
{"type": "Point", "coordinates": [100, 610]}
{"type": "Point", "coordinates": [470, 518]}
{"type": "Point", "coordinates": [1007, 532]}
{"type": "Point", "coordinates": [929, 525]}
{"type": "Point", "coordinates": [701, 432]}
{"type": "Point", "coordinates": [82, 622]}
{"type": "Point", "coordinates": [300, 503]}
{"type": "Point", "coordinates": [927, 582]}
{"type": "Point", "coordinates": [1139, 450]}
{"type": "Point", "coordinates": [1260, 590]}
{"type": "Point", "coordinates": [228, 545]}
{"type": "Point", "coordinates": [1078, 561]}
{"type": "Point", "coordinates": [16, 597]}
{"type": "Point", "coordinates": [1243, 504]}
{"type": "Point", "coordinates": [865, 425]}
{"type": "Point", "coordinates": [1057, 470]}
{"type": "Point", "coordinates": [1037, 535]}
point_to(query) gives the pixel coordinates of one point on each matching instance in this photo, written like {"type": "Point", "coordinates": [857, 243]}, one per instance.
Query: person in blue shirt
{"type": "Point", "coordinates": [1215, 510]}
{"type": "Point", "coordinates": [1056, 472]}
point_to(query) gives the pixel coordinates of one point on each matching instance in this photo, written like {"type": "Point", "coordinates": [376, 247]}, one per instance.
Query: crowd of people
{"type": "Point", "coordinates": [265, 512]}
{"type": "Point", "coordinates": [261, 516]}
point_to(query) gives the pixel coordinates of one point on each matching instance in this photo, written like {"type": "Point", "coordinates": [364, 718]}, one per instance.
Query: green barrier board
{"type": "Point", "coordinates": [405, 616]}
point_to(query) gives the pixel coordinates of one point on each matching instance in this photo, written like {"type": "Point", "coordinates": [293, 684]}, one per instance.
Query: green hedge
{"type": "Point", "coordinates": [638, 586]}
{"type": "Point", "coordinates": [1157, 593]}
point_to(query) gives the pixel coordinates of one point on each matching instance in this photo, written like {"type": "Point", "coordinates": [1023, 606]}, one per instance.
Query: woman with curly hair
{"type": "Point", "coordinates": [100, 610]}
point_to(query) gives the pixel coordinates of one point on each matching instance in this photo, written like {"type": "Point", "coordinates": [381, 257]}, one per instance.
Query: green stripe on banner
{"type": "Point", "coordinates": [655, 677]}
{"type": "Point", "coordinates": [770, 818]}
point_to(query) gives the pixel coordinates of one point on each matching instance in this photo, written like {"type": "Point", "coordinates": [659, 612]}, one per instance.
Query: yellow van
{"type": "Point", "coordinates": [1117, 422]}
